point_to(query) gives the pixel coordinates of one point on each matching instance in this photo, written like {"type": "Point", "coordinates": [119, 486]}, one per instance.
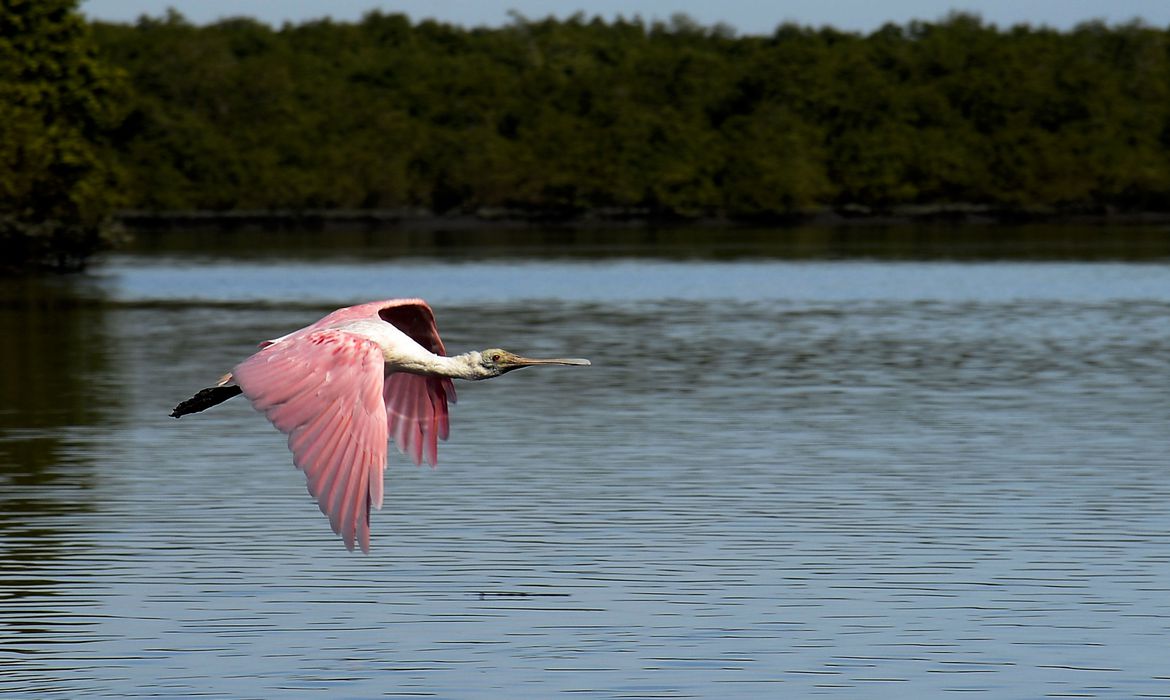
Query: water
{"type": "Point", "coordinates": [786, 475]}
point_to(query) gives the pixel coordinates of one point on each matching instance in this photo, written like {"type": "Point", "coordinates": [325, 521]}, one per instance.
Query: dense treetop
{"type": "Point", "coordinates": [669, 118]}
{"type": "Point", "coordinates": [57, 105]}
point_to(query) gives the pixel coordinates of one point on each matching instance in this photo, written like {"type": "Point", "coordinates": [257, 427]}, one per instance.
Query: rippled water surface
{"type": "Point", "coordinates": [786, 475]}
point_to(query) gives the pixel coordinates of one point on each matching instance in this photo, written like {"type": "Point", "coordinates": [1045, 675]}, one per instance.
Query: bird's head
{"type": "Point", "coordinates": [494, 361]}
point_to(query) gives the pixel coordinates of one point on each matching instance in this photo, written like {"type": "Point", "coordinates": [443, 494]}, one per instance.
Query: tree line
{"type": "Point", "coordinates": [671, 118]}
{"type": "Point", "coordinates": [563, 117]}
{"type": "Point", "coordinates": [58, 104]}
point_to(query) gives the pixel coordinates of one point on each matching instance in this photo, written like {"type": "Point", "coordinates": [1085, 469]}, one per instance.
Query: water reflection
{"type": "Point", "coordinates": [856, 479]}
{"type": "Point", "coordinates": [54, 366]}
{"type": "Point", "coordinates": [941, 242]}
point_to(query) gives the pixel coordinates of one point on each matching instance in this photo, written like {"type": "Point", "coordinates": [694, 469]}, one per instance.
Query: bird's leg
{"type": "Point", "coordinates": [205, 399]}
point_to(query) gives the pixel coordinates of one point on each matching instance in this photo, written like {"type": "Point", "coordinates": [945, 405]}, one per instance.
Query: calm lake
{"type": "Point", "coordinates": [870, 463]}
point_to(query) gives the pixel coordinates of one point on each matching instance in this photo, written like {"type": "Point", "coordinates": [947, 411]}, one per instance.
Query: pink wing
{"type": "Point", "coordinates": [416, 412]}
{"type": "Point", "coordinates": [416, 406]}
{"type": "Point", "coordinates": [324, 389]}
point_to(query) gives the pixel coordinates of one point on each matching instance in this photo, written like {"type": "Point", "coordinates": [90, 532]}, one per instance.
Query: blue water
{"type": "Point", "coordinates": [848, 478]}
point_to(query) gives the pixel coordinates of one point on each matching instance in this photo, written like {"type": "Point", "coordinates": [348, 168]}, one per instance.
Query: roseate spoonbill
{"type": "Point", "coordinates": [341, 387]}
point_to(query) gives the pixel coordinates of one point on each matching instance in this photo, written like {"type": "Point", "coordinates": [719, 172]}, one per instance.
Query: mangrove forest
{"type": "Point", "coordinates": [560, 118]}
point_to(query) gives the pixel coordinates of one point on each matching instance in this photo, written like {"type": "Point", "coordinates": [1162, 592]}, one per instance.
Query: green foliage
{"type": "Point", "coordinates": [57, 103]}
{"type": "Point", "coordinates": [673, 119]}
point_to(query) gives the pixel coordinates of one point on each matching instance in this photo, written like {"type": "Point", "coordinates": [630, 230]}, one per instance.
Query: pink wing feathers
{"type": "Point", "coordinates": [331, 393]}
{"type": "Point", "coordinates": [324, 389]}
{"type": "Point", "coordinates": [416, 406]}
{"type": "Point", "coordinates": [416, 412]}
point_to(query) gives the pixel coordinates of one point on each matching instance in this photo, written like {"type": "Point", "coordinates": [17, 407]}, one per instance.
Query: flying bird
{"type": "Point", "coordinates": [343, 386]}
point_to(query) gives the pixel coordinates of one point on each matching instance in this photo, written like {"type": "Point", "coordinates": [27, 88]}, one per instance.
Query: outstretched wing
{"type": "Point", "coordinates": [417, 414]}
{"type": "Point", "coordinates": [324, 389]}
{"type": "Point", "coordinates": [416, 406]}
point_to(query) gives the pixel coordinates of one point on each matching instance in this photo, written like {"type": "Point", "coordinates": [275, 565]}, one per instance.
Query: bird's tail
{"type": "Point", "coordinates": [206, 398]}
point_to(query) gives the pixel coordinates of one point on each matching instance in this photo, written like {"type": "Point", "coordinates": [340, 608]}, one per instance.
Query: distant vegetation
{"type": "Point", "coordinates": [673, 119]}
{"type": "Point", "coordinates": [568, 117]}
{"type": "Point", "coordinates": [57, 105]}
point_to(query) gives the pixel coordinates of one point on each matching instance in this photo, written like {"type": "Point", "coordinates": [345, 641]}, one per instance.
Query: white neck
{"type": "Point", "coordinates": [465, 366]}
{"type": "Point", "coordinates": [403, 354]}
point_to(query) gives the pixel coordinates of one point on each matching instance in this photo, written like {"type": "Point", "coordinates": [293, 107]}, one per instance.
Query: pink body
{"type": "Point", "coordinates": [332, 388]}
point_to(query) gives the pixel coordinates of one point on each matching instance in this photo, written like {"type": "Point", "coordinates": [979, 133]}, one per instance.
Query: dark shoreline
{"type": "Point", "coordinates": [485, 219]}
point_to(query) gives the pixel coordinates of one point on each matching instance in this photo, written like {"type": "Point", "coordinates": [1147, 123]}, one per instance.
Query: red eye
{"type": "Point", "coordinates": [496, 357]}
